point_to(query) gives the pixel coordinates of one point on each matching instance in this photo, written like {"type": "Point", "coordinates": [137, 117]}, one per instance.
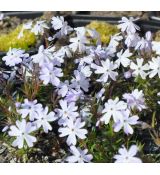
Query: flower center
{"type": "Point", "coordinates": [65, 112]}
{"type": "Point", "coordinates": [127, 157]}
{"type": "Point", "coordinates": [72, 129]}
{"type": "Point", "coordinates": [139, 68]}
{"type": "Point", "coordinates": [81, 157]}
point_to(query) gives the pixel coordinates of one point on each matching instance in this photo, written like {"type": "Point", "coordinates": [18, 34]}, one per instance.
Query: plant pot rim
{"type": "Point", "coordinates": [85, 19]}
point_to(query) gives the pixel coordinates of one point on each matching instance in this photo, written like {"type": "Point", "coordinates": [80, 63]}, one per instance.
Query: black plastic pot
{"type": "Point", "coordinates": [154, 16]}
{"type": "Point", "coordinates": [82, 20]}
{"type": "Point", "coordinates": [83, 13]}
{"type": "Point", "coordinates": [24, 15]}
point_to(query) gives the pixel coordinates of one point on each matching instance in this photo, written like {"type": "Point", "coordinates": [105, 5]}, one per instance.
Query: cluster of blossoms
{"type": "Point", "coordinates": [38, 117]}
{"type": "Point", "coordinates": [95, 65]}
{"type": "Point", "coordinates": [37, 29]}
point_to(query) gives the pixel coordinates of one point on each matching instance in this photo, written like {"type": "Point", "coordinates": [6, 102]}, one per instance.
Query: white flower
{"type": "Point", "coordinates": [25, 26]}
{"type": "Point", "coordinates": [139, 69]}
{"type": "Point", "coordinates": [110, 50]}
{"type": "Point", "coordinates": [100, 94]}
{"type": "Point", "coordinates": [112, 47]}
{"type": "Point", "coordinates": [22, 131]}
{"type": "Point", "coordinates": [50, 74]}
{"type": "Point", "coordinates": [86, 70]}
{"type": "Point", "coordinates": [63, 88]}
{"type": "Point", "coordinates": [43, 56]}
{"type": "Point", "coordinates": [128, 25]}
{"type": "Point", "coordinates": [94, 35]}
{"type": "Point", "coordinates": [74, 95]}
{"type": "Point", "coordinates": [81, 31]}
{"type": "Point", "coordinates": [156, 47]}
{"type": "Point", "coordinates": [64, 51]}
{"type": "Point", "coordinates": [65, 30]}
{"type": "Point", "coordinates": [58, 57]}
{"type": "Point", "coordinates": [106, 69]}
{"type": "Point", "coordinates": [5, 129]}
{"type": "Point", "coordinates": [80, 81]}
{"type": "Point", "coordinates": [78, 43]}
{"type": "Point", "coordinates": [43, 118]}
{"type": "Point", "coordinates": [29, 108]}
{"type": "Point", "coordinates": [145, 44]}
{"type": "Point", "coordinates": [98, 52]}
{"type": "Point", "coordinates": [128, 74]}
{"type": "Point", "coordinates": [135, 99]}
{"type": "Point", "coordinates": [84, 60]}
{"type": "Point", "coordinates": [154, 65]}
{"type": "Point", "coordinates": [115, 39]}
{"type": "Point", "coordinates": [39, 27]}
{"type": "Point", "coordinates": [123, 58]}
{"type": "Point", "coordinates": [73, 129]}
{"type": "Point", "coordinates": [68, 110]}
{"type": "Point", "coordinates": [14, 57]}
{"type": "Point", "coordinates": [132, 39]}
{"type": "Point", "coordinates": [1, 16]}
{"type": "Point", "coordinates": [57, 22]}
{"type": "Point", "coordinates": [113, 108]}
{"type": "Point", "coordinates": [79, 155]}
{"type": "Point", "coordinates": [127, 156]}
{"type": "Point", "coordinates": [126, 123]}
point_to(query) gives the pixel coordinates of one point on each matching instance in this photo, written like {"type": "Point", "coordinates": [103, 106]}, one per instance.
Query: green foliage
{"type": "Point", "coordinates": [157, 36]}
{"type": "Point", "coordinates": [105, 30]}
{"type": "Point", "coordinates": [10, 40]}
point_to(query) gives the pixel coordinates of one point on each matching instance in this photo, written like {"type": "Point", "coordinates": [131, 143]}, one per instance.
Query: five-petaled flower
{"type": "Point", "coordinates": [14, 57]}
{"type": "Point", "coordinates": [107, 70]}
{"type": "Point", "coordinates": [113, 108]}
{"type": "Point", "coordinates": [50, 74]}
{"type": "Point", "coordinates": [29, 108]}
{"type": "Point", "coordinates": [139, 68]}
{"type": "Point", "coordinates": [39, 27]}
{"type": "Point", "coordinates": [123, 58]}
{"type": "Point", "coordinates": [127, 156]}
{"type": "Point", "coordinates": [154, 65]}
{"type": "Point", "coordinates": [43, 118]}
{"type": "Point", "coordinates": [22, 132]}
{"type": "Point", "coordinates": [135, 99]}
{"type": "Point", "coordinates": [73, 129]}
{"type": "Point", "coordinates": [128, 25]}
{"type": "Point", "coordinates": [68, 110]}
{"type": "Point", "coordinates": [79, 155]}
{"type": "Point", "coordinates": [126, 123]}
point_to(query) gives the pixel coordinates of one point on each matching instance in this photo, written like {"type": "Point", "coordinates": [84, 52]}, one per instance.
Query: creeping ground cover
{"type": "Point", "coordinates": [84, 96]}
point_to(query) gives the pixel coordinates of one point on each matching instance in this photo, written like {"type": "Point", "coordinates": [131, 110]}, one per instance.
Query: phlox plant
{"type": "Point", "coordinates": [97, 100]}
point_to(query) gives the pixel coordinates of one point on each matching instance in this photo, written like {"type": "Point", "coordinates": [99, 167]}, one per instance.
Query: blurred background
{"type": "Point", "coordinates": [147, 15]}
{"type": "Point", "coordinates": [143, 14]}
